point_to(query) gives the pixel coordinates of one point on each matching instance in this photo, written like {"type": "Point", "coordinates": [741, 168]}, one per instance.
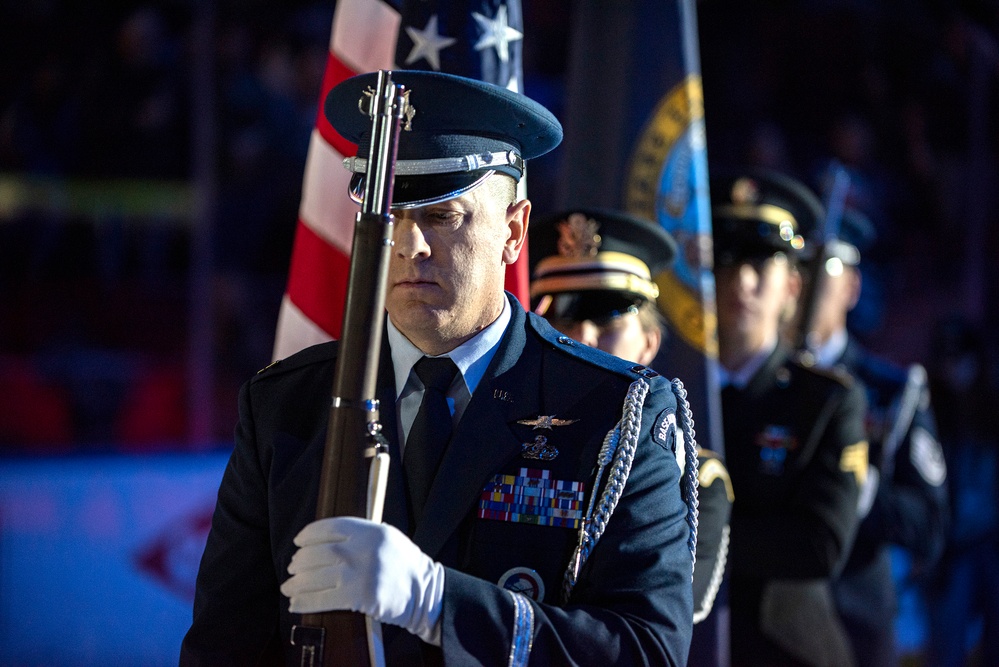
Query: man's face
{"type": "Point", "coordinates": [752, 297]}
{"type": "Point", "coordinates": [448, 265]}
{"type": "Point", "coordinates": [623, 336]}
{"type": "Point", "coordinates": [839, 294]}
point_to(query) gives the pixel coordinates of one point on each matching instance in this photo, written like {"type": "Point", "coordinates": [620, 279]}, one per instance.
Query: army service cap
{"type": "Point", "coordinates": [461, 132]}
{"type": "Point", "coordinates": [757, 214]}
{"type": "Point", "coordinates": [593, 264]}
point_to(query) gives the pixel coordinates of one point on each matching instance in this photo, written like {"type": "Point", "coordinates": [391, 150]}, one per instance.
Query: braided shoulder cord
{"type": "Point", "coordinates": [688, 486]}
{"type": "Point", "coordinates": [618, 450]}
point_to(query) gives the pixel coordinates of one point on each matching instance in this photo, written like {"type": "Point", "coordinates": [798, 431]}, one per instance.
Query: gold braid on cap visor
{"type": "Point", "coordinates": [768, 213]}
{"type": "Point", "coordinates": [607, 271]}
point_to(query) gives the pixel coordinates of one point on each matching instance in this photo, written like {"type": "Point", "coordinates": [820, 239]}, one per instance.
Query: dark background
{"type": "Point", "coordinates": [151, 157]}
{"type": "Point", "coordinates": [118, 297]}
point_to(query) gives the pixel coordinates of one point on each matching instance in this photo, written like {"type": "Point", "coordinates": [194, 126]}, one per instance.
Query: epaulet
{"type": "Point", "coordinates": [313, 354]}
{"type": "Point", "coordinates": [269, 366]}
{"type": "Point", "coordinates": [591, 355]}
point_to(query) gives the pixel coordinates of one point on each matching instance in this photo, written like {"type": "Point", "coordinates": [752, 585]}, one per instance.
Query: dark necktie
{"type": "Point", "coordinates": [431, 430]}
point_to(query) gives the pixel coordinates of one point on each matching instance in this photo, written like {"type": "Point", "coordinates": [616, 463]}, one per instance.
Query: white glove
{"type": "Point", "coordinates": [352, 564]}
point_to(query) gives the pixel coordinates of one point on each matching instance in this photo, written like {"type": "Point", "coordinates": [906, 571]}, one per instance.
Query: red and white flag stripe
{"type": "Point", "coordinates": [363, 39]}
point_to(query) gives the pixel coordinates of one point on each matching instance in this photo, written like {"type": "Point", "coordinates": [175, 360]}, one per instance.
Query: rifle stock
{"type": "Point", "coordinates": [354, 443]}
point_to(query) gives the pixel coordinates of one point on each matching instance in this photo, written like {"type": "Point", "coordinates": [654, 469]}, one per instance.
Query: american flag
{"type": "Point", "coordinates": [481, 40]}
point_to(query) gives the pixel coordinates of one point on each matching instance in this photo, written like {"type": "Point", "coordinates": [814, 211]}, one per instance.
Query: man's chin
{"type": "Point", "coordinates": [417, 318]}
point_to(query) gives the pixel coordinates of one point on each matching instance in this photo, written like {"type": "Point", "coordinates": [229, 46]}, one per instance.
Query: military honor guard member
{"type": "Point", "coordinates": [795, 442]}
{"type": "Point", "coordinates": [538, 520]}
{"type": "Point", "coordinates": [593, 279]}
{"type": "Point", "coordinates": [904, 500]}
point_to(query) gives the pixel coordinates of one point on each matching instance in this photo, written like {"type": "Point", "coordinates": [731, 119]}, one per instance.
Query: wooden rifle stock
{"type": "Point", "coordinates": [354, 444]}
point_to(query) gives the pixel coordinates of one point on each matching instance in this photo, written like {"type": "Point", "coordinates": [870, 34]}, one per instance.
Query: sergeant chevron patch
{"type": "Point", "coordinates": [854, 459]}
{"type": "Point", "coordinates": [533, 497]}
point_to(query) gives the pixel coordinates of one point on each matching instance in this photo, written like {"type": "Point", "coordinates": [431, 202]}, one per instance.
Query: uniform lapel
{"type": "Point", "coordinates": [483, 442]}
{"type": "Point", "coordinates": [763, 380]}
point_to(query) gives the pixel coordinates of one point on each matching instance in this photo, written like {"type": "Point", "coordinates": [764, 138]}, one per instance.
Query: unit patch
{"type": "Point", "coordinates": [525, 581]}
{"type": "Point", "coordinates": [533, 497]}
{"type": "Point", "coordinates": [775, 442]}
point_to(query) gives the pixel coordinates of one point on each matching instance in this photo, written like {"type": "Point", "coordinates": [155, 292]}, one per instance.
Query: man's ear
{"type": "Point", "coordinates": [653, 339]}
{"type": "Point", "coordinates": [794, 283]}
{"type": "Point", "coordinates": [518, 216]}
{"type": "Point", "coordinates": [856, 284]}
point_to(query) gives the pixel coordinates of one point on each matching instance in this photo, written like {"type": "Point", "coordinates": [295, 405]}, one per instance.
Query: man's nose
{"type": "Point", "coordinates": [749, 277]}
{"type": "Point", "coordinates": [410, 243]}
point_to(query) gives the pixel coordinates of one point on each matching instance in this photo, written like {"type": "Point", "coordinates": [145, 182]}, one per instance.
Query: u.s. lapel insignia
{"type": "Point", "coordinates": [539, 449]}
{"type": "Point", "coordinates": [502, 395]}
{"type": "Point", "coordinates": [546, 422]}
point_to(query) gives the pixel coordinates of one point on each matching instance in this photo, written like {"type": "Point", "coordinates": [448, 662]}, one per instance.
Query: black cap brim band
{"type": "Point", "coordinates": [597, 306]}
{"type": "Point", "coordinates": [416, 191]}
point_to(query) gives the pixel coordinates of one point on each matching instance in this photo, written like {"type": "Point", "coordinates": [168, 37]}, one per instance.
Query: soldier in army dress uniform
{"type": "Point", "coordinates": [593, 279]}
{"type": "Point", "coordinates": [517, 544]}
{"type": "Point", "coordinates": [904, 500]}
{"type": "Point", "coordinates": [795, 443]}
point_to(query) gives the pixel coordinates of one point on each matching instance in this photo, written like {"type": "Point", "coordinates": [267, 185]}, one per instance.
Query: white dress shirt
{"type": "Point", "coordinates": [830, 351]}
{"type": "Point", "coordinates": [471, 357]}
{"type": "Point", "coordinates": [740, 377]}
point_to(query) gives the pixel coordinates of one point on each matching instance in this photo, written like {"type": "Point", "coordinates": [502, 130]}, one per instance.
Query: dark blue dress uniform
{"type": "Point", "coordinates": [631, 603]}
{"type": "Point", "coordinates": [796, 452]}
{"type": "Point", "coordinates": [909, 505]}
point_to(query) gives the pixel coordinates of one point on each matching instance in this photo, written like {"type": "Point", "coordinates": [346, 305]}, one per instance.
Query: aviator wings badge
{"type": "Point", "coordinates": [546, 422]}
{"type": "Point", "coordinates": [540, 449]}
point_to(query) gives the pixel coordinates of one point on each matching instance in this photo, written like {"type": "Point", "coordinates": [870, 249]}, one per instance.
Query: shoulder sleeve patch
{"type": "Point", "coordinates": [664, 430]}
{"type": "Point", "coordinates": [712, 469]}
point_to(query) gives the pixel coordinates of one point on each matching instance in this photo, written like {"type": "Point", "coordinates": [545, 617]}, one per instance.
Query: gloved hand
{"type": "Point", "coordinates": [352, 564]}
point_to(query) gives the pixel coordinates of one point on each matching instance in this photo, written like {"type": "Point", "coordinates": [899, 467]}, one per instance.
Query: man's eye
{"type": "Point", "coordinates": [444, 217]}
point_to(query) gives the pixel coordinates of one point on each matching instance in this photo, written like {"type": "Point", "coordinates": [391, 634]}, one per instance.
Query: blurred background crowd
{"type": "Point", "coordinates": [129, 317]}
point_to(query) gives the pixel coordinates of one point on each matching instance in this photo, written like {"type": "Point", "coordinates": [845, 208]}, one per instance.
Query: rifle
{"type": "Point", "coordinates": [355, 459]}
{"type": "Point", "coordinates": [814, 266]}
